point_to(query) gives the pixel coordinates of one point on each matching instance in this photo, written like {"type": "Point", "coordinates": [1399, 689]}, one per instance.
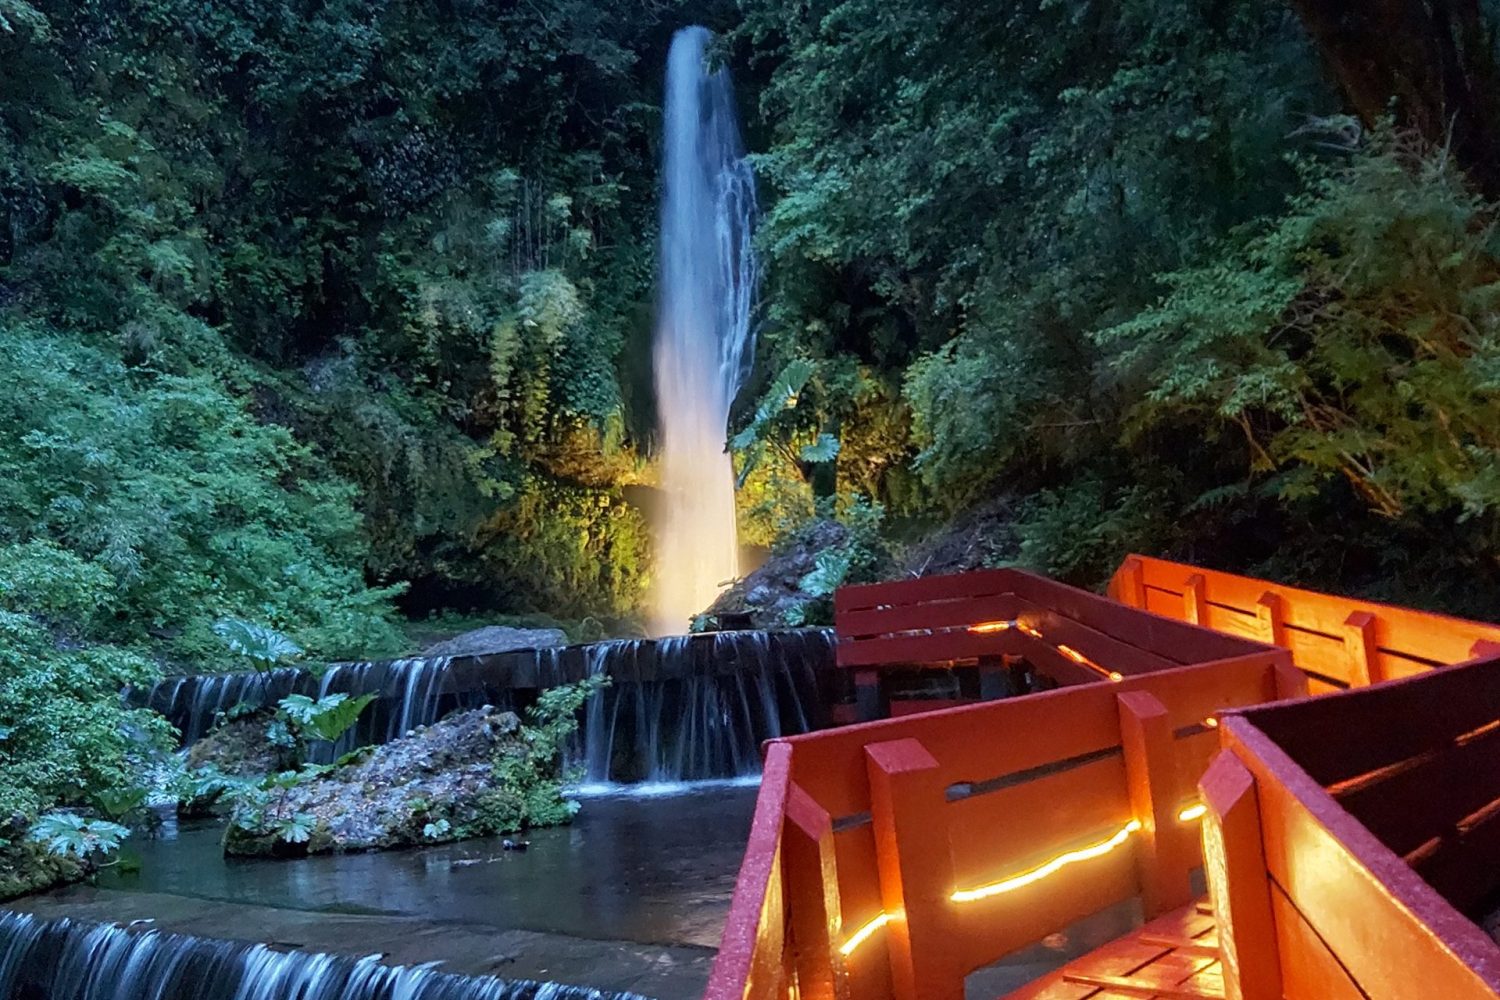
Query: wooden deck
{"type": "Point", "coordinates": [1175, 956]}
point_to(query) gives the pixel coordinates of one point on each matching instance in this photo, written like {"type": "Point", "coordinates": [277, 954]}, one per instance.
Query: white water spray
{"type": "Point", "coordinates": [703, 341]}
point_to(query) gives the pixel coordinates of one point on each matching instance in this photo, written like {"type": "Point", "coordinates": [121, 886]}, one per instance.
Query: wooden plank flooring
{"type": "Point", "coordinates": [1176, 956]}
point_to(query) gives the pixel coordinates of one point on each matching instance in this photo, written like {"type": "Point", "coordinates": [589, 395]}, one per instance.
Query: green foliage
{"type": "Point", "coordinates": [1352, 341]}
{"type": "Point", "coordinates": [121, 804]}
{"type": "Point", "coordinates": [264, 647]}
{"type": "Point", "coordinates": [66, 731]}
{"type": "Point", "coordinates": [326, 718]}
{"type": "Point", "coordinates": [1081, 532]}
{"type": "Point", "coordinates": [848, 547]}
{"type": "Point", "coordinates": [178, 508]}
{"type": "Point", "coordinates": [64, 833]}
{"type": "Point", "coordinates": [296, 828]}
{"type": "Point", "coordinates": [530, 776]}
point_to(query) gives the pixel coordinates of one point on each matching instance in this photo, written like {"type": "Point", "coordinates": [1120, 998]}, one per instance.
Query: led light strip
{"type": "Point", "coordinates": [989, 628]}
{"type": "Point", "coordinates": [862, 935]}
{"type": "Point", "coordinates": [1050, 868]}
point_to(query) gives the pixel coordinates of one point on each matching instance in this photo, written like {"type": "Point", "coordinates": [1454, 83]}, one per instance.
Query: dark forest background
{"type": "Point", "coordinates": [331, 314]}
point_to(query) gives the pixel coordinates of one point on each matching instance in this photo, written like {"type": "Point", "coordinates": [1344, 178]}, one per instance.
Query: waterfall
{"type": "Point", "coordinates": [71, 960]}
{"type": "Point", "coordinates": [708, 722]}
{"type": "Point", "coordinates": [677, 709]}
{"type": "Point", "coordinates": [703, 341]}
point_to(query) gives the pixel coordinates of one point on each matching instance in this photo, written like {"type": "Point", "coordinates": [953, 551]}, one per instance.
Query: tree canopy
{"type": "Point", "coordinates": [323, 315]}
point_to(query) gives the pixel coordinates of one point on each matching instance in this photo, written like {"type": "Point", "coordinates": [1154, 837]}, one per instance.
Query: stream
{"type": "Point", "coordinates": [631, 897]}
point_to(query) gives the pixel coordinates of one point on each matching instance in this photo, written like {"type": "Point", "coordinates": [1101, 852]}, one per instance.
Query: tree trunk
{"type": "Point", "coordinates": [1429, 62]}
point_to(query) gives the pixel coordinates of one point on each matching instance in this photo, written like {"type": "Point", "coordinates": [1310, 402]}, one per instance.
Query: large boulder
{"type": "Point", "coordinates": [439, 783]}
{"type": "Point", "coordinates": [497, 639]}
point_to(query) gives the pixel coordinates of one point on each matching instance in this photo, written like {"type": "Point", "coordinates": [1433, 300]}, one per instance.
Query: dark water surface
{"type": "Point", "coordinates": [631, 897]}
{"type": "Point", "coordinates": [652, 869]}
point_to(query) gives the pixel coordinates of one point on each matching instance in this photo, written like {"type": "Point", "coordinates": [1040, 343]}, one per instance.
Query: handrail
{"type": "Point", "coordinates": [749, 963]}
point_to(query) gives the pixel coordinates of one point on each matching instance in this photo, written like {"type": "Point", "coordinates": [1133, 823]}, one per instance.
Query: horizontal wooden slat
{"type": "Point", "coordinates": [1392, 931]}
{"type": "Point", "coordinates": [1004, 831]}
{"type": "Point", "coordinates": [1427, 796]}
{"type": "Point", "coordinates": [994, 927]}
{"type": "Point", "coordinates": [1464, 867]}
{"type": "Point", "coordinates": [1309, 970]}
{"type": "Point", "coordinates": [1106, 649]}
{"type": "Point", "coordinates": [948, 614]}
{"type": "Point", "coordinates": [1166, 635]}
{"type": "Point", "coordinates": [1401, 631]}
{"type": "Point", "coordinates": [1045, 659]}
{"type": "Point", "coordinates": [1038, 729]}
{"type": "Point", "coordinates": [917, 590]}
{"type": "Point", "coordinates": [1387, 723]}
{"type": "Point", "coordinates": [894, 651]}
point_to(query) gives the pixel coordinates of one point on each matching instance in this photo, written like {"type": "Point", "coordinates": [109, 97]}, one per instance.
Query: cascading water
{"type": "Point", "coordinates": [678, 709]}
{"type": "Point", "coordinates": [69, 960]}
{"type": "Point", "coordinates": [703, 340]}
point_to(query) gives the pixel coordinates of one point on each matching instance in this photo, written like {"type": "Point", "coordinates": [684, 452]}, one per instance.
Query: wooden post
{"type": "Point", "coordinates": [1166, 845]}
{"type": "Point", "coordinates": [1290, 682]}
{"type": "Point", "coordinates": [1272, 618]}
{"type": "Point", "coordinates": [869, 696]}
{"type": "Point", "coordinates": [1128, 586]}
{"type": "Point", "coordinates": [1361, 645]}
{"type": "Point", "coordinates": [1195, 600]}
{"type": "Point", "coordinates": [908, 809]}
{"type": "Point", "coordinates": [810, 876]}
{"type": "Point", "coordinates": [1235, 864]}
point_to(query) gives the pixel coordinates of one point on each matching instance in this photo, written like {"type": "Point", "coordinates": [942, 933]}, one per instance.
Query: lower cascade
{"type": "Point", "coordinates": [683, 708]}
{"type": "Point", "coordinates": [72, 960]}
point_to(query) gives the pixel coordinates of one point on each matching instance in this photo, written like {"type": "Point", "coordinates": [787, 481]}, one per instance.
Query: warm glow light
{"type": "Point", "coordinates": [1211, 722]}
{"type": "Point", "coordinates": [985, 628]}
{"type": "Point", "coordinates": [862, 935]}
{"type": "Point", "coordinates": [1050, 868]}
{"type": "Point", "coordinates": [1192, 812]}
{"type": "Point", "coordinates": [1028, 630]}
{"type": "Point", "coordinates": [1082, 660]}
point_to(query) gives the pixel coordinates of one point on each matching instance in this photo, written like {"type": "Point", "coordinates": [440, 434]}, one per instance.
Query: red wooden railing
{"type": "Point", "coordinates": [1338, 642]}
{"type": "Point", "coordinates": [913, 851]}
{"type": "Point", "coordinates": [1356, 867]}
{"type": "Point", "coordinates": [991, 618]}
{"type": "Point", "coordinates": [892, 858]}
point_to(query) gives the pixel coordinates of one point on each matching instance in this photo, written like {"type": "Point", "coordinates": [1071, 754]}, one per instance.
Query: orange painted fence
{"type": "Point", "coordinates": [997, 620]}
{"type": "Point", "coordinates": [1357, 867]}
{"type": "Point", "coordinates": [892, 858]}
{"type": "Point", "coordinates": [1339, 642]}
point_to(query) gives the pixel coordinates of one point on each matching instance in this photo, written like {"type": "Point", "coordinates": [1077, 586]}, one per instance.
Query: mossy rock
{"type": "Point", "coordinates": [27, 867]}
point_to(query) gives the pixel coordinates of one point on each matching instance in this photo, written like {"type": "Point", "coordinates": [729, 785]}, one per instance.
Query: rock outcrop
{"type": "Point", "coordinates": [767, 597]}
{"type": "Point", "coordinates": [27, 867]}
{"type": "Point", "coordinates": [497, 639]}
{"type": "Point", "coordinates": [437, 784]}
{"type": "Point", "coordinates": [241, 748]}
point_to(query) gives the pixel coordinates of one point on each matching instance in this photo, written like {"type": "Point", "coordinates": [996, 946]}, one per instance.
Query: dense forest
{"type": "Point", "coordinates": [333, 315]}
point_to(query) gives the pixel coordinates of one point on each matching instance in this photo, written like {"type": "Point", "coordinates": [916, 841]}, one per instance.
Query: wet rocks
{"type": "Point", "coordinates": [497, 639]}
{"type": "Point", "coordinates": [439, 783]}
{"type": "Point", "coordinates": [772, 595]}
{"type": "Point", "coordinates": [241, 748]}
{"type": "Point", "coordinates": [27, 867]}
